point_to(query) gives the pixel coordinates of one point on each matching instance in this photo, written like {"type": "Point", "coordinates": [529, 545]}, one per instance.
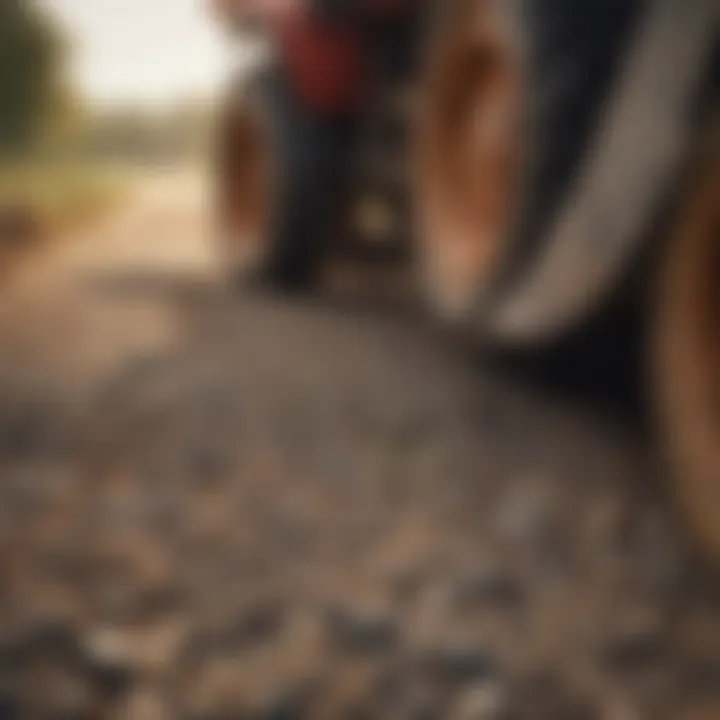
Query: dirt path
{"type": "Point", "coordinates": [224, 507]}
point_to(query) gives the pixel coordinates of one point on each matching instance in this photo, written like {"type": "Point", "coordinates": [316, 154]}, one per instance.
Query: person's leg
{"type": "Point", "coordinates": [312, 168]}
{"type": "Point", "coordinates": [327, 173]}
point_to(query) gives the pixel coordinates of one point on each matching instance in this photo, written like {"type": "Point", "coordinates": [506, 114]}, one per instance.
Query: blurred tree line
{"type": "Point", "coordinates": [62, 159]}
{"type": "Point", "coordinates": [33, 92]}
{"type": "Point", "coordinates": [139, 135]}
{"type": "Point", "coordinates": [40, 114]}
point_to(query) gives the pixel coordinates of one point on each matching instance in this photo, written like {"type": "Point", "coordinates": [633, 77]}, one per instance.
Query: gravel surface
{"type": "Point", "coordinates": [215, 507]}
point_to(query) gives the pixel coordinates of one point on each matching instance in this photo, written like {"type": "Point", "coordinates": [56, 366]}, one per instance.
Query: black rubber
{"type": "Point", "coordinates": [599, 182]}
{"type": "Point", "coordinates": [571, 49]}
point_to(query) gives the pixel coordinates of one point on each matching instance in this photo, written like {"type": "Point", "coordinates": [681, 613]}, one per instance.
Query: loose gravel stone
{"type": "Point", "coordinates": [361, 632]}
{"type": "Point", "coordinates": [486, 702]}
{"type": "Point", "coordinates": [285, 703]}
{"type": "Point", "coordinates": [635, 642]}
{"type": "Point", "coordinates": [488, 586]}
{"type": "Point", "coordinates": [187, 475]}
{"type": "Point", "coordinates": [461, 663]}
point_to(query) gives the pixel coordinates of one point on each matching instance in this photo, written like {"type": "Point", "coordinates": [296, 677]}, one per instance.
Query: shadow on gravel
{"type": "Point", "coordinates": [602, 367]}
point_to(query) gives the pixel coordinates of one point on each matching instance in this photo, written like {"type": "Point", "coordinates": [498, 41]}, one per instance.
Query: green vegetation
{"type": "Point", "coordinates": [36, 110]}
{"type": "Point", "coordinates": [33, 96]}
{"type": "Point", "coordinates": [62, 161]}
{"type": "Point", "coordinates": [60, 195]}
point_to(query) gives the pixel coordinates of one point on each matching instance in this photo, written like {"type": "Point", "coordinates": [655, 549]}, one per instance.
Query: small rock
{"type": "Point", "coordinates": [546, 696]}
{"type": "Point", "coordinates": [33, 430]}
{"type": "Point", "coordinates": [349, 697]}
{"type": "Point", "coordinates": [656, 554]}
{"type": "Point", "coordinates": [637, 641]}
{"type": "Point", "coordinates": [253, 625]}
{"type": "Point", "coordinates": [485, 702]}
{"type": "Point", "coordinates": [117, 653]}
{"type": "Point", "coordinates": [258, 623]}
{"type": "Point", "coordinates": [488, 586]}
{"type": "Point", "coordinates": [703, 674]}
{"type": "Point", "coordinates": [65, 694]}
{"type": "Point", "coordinates": [207, 464]}
{"type": "Point", "coordinates": [462, 663]}
{"type": "Point", "coordinates": [111, 675]}
{"type": "Point", "coordinates": [110, 646]}
{"type": "Point", "coordinates": [405, 697]}
{"type": "Point", "coordinates": [634, 651]}
{"type": "Point", "coordinates": [420, 709]}
{"type": "Point", "coordinates": [620, 708]}
{"type": "Point", "coordinates": [285, 703]}
{"type": "Point", "coordinates": [528, 514]}
{"type": "Point", "coordinates": [707, 709]}
{"type": "Point", "coordinates": [42, 637]}
{"type": "Point", "coordinates": [359, 632]}
{"type": "Point", "coordinates": [144, 704]}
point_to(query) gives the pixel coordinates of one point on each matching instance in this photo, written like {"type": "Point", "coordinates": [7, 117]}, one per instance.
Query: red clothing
{"type": "Point", "coordinates": [325, 64]}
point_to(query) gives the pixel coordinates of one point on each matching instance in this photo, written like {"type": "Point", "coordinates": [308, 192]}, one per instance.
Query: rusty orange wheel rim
{"type": "Point", "coordinates": [243, 189]}
{"type": "Point", "coordinates": [688, 352]}
{"type": "Point", "coordinates": [469, 152]}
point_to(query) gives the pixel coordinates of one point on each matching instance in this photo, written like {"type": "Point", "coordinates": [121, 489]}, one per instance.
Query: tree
{"type": "Point", "coordinates": [31, 79]}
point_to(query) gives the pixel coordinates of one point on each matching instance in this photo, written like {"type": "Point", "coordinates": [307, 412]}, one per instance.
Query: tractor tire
{"type": "Point", "coordinates": [687, 353]}
{"type": "Point", "coordinates": [513, 90]}
{"type": "Point", "coordinates": [468, 174]}
{"type": "Point", "coordinates": [243, 186]}
{"type": "Point", "coordinates": [550, 135]}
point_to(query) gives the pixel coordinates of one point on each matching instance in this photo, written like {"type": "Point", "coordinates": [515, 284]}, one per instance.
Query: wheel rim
{"type": "Point", "coordinates": [244, 188]}
{"type": "Point", "coordinates": [689, 353]}
{"type": "Point", "coordinates": [469, 153]}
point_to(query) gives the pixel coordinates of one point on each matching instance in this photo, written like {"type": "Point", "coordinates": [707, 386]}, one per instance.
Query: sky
{"type": "Point", "coordinates": [143, 51]}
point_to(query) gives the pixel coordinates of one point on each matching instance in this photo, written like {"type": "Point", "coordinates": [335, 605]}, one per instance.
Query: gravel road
{"type": "Point", "coordinates": [214, 506]}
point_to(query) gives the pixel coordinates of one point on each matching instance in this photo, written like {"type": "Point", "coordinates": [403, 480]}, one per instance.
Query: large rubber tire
{"type": "Point", "coordinates": [468, 149]}
{"type": "Point", "coordinates": [552, 134]}
{"type": "Point", "coordinates": [512, 93]}
{"type": "Point", "coordinates": [243, 184]}
{"type": "Point", "coordinates": [687, 353]}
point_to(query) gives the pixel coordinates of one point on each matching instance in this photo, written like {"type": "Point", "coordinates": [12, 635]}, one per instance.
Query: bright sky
{"type": "Point", "coordinates": [150, 51]}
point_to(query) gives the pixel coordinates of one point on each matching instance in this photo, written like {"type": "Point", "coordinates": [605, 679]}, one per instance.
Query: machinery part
{"type": "Point", "coordinates": [244, 181]}
{"type": "Point", "coordinates": [687, 353]}
{"type": "Point", "coordinates": [468, 149]}
{"type": "Point", "coordinates": [634, 159]}
{"type": "Point", "coordinates": [526, 239]}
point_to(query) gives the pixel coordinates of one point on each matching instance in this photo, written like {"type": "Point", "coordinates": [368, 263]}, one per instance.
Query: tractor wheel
{"type": "Point", "coordinates": [546, 150]}
{"type": "Point", "coordinates": [243, 187]}
{"type": "Point", "coordinates": [687, 353]}
{"type": "Point", "coordinates": [469, 150]}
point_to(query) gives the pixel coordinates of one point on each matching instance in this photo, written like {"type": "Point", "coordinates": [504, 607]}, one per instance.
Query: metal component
{"type": "Point", "coordinates": [469, 154]}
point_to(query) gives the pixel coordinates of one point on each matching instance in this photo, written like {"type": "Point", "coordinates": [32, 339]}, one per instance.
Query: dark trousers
{"type": "Point", "coordinates": [312, 177]}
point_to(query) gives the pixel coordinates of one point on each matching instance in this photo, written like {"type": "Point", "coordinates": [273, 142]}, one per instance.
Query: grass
{"type": "Point", "coordinates": [61, 195]}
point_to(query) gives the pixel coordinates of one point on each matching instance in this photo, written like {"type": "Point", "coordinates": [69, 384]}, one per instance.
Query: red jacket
{"type": "Point", "coordinates": [324, 63]}
{"type": "Point", "coordinates": [324, 60]}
